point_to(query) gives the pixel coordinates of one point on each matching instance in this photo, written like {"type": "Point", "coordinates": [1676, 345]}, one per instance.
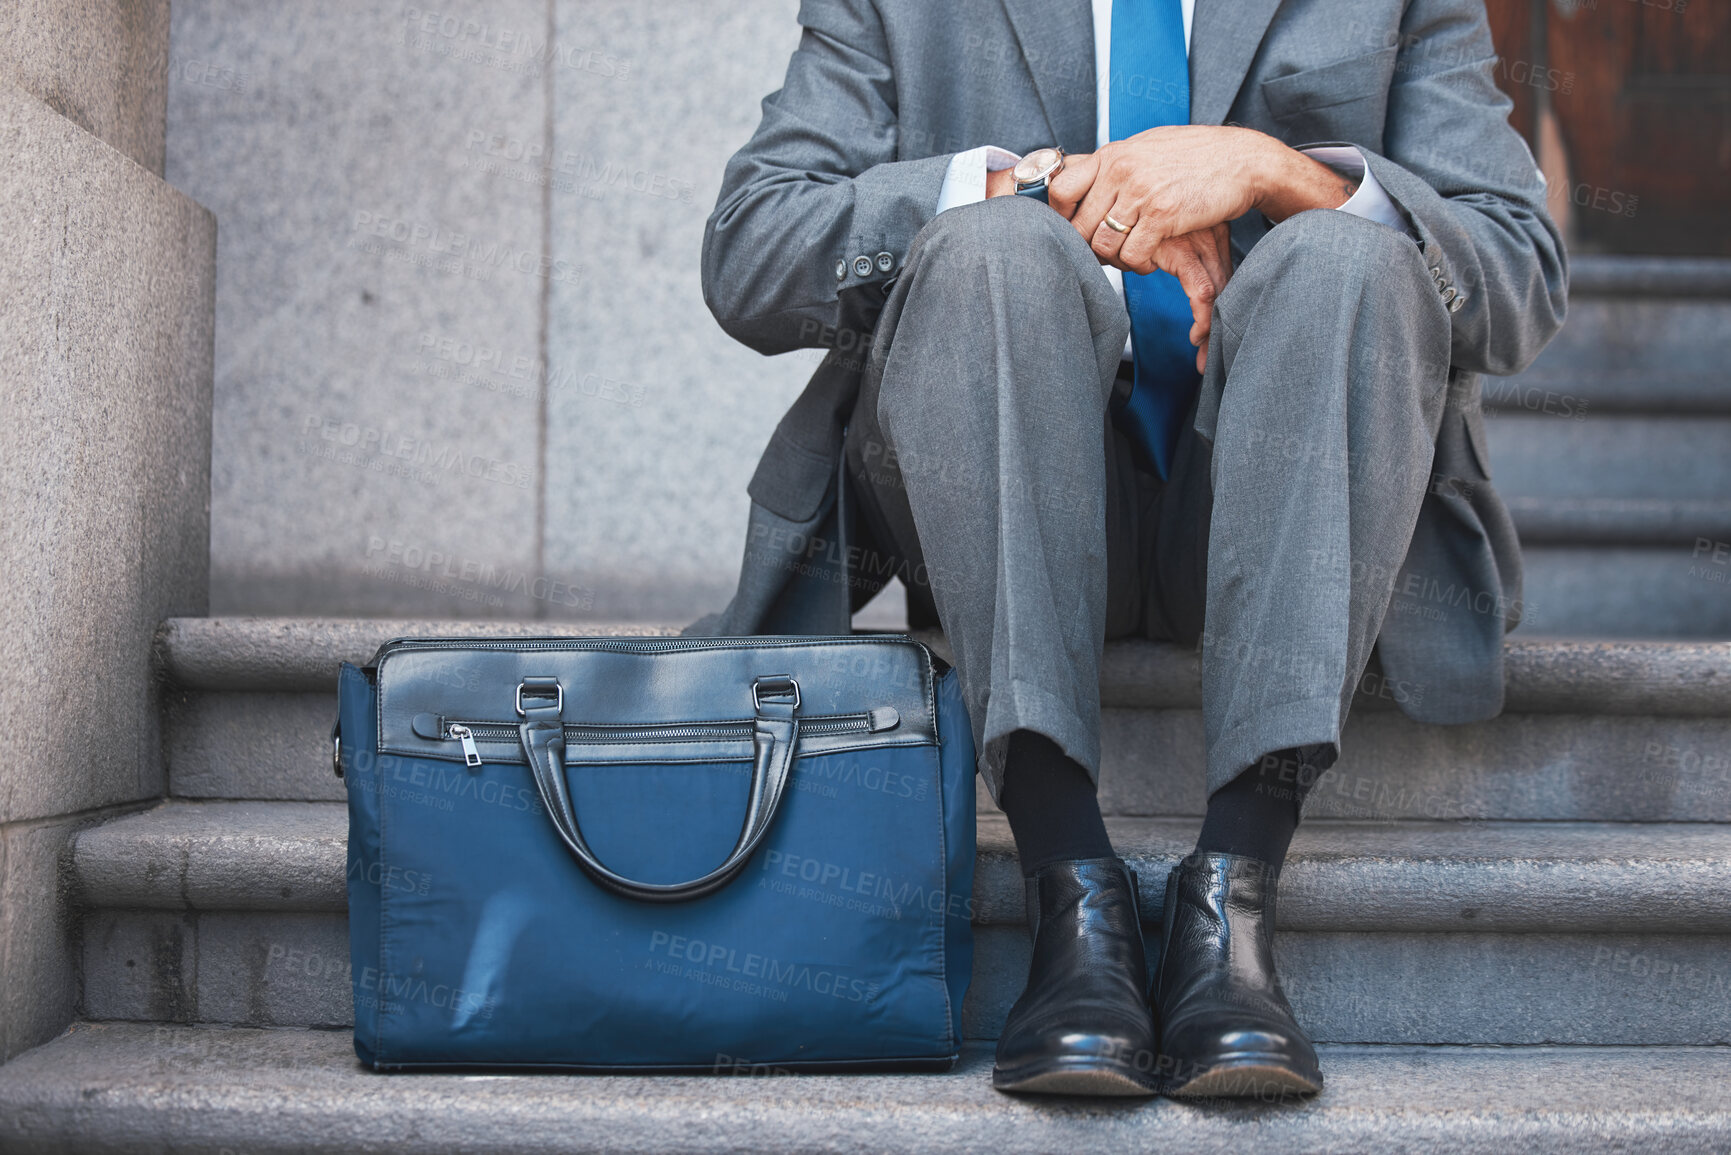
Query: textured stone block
{"type": "Point", "coordinates": [141, 966]}
{"type": "Point", "coordinates": [1660, 592]}
{"type": "Point", "coordinates": [1538, 454]}
{"type": "Point", "coordinates": [285, 969]}
{"type": "Point", "coordinates": [646, 477]}
{"type": "Point", "coordinates": [37, 937]}
{"type": "Point", "coordinates": [380, 325]}
{"type": "Point", "coordinates": [105, 364]}
{"type": "Point", "coordinates": [1456, 988]}
{"type": "Point", "coordinates": [274, 970]}
{"type": "Point", "coordinates": [102, 65]}
{"type": "Point", "coordinates": [116, 1087]}
{"type": "Point", "coordinates": [1661, 353]}
{"type": "Point", "coordinates": [251, 746]}
{"type": "Point", "coordinates": [1546, 767]}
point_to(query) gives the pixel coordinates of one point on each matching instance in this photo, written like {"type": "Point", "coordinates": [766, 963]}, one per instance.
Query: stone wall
{"type": "Point", "coordinates": [105, 370]}
{"type": "Point", "coordinates": [463, 364]}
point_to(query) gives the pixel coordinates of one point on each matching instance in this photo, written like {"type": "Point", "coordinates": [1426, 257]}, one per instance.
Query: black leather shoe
{"type": "Point", "coordinates": [1082, 1026]}
{"type": "Point", "coordinates": [1225, 1026]}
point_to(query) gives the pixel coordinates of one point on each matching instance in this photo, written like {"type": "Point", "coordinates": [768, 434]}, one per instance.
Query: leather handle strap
{"type": "Point", "coordinates": [775, 736]}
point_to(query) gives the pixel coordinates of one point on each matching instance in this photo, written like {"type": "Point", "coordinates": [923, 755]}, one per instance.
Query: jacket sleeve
{"type": "Point", "coordinates": [1468, 184]}
{"type": "Point", "coordinates": [815, 200]}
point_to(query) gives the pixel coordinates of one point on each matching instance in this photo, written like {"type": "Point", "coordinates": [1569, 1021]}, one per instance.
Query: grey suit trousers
{"type": "Point", "coordinates": [982, 455]}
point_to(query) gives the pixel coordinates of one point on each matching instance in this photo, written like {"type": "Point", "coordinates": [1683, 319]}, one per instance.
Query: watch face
{"type": "Point", "coordinates": [1036, 164]}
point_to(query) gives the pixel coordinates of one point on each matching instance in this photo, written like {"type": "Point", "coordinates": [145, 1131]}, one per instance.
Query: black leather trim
{"type": "Point", "coordinates": [648, 682]}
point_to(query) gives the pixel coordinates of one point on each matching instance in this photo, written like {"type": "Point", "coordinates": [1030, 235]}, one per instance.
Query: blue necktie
{"type": "Point", "coordinates": [1150, 86]}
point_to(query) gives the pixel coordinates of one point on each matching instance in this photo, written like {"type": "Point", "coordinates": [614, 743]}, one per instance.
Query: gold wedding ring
{"type": "Point", "coordinates": [1115, 226]}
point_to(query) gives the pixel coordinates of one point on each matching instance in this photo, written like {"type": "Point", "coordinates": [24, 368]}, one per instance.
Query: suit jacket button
{"type": "Point", "coordinates": [862, 265]}
{"type": "Point", "coordinates": [886, 262]}
{"type": "Point", "coordinates": [1448, 294]}
{"type": "Point", "coordinates": [1455, 305]}
{"type": "Point", "coordinates": [841, 270]}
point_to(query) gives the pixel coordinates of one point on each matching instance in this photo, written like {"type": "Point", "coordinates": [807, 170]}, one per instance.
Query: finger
{"type": "Point", "coordinates": [1202, 321]}
{"type": "Point", "coordinates": [1180, 257]}
{"type": "Point", "coordinates": [1067, 189]}
{"type": "Point", "coordinates": [1103, 192]}
{"type": "Point", "coordinates": [1207, 246]}
{"type": "Point", "coordinates": [1223, 242]}
{"type": "Point", "coordinates": [1106, 240]}
{"type": "Point", "coordinates": [1139, 254]}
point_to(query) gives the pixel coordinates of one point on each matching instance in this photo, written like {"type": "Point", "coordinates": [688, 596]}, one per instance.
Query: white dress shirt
{"type": "Point", "coordinates": [965, 179]}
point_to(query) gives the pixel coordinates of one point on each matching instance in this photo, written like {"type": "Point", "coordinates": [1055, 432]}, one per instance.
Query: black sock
{"type": "Point", "coordinates": [1256, 814]}
{"type": "Point", "coordinates": [1051, 804]}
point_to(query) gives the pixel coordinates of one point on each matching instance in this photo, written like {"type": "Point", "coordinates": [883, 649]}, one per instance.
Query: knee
{"type": "Point", "coordinates": [1016, 235]}
{"type": "Point", "coordinates": [1340, 250]}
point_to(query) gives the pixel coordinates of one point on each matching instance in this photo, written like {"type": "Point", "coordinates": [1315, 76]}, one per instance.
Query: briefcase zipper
{"type": "Point", "coordinates": [471, 756]}
{"type": "Point", "coordinates": [468, 733]}
{"type": "Point", "coordinates": [639, 644]}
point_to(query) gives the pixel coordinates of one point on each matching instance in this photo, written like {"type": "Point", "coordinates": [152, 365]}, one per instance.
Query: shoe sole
{"type": "Point", "coordinates": [1093, 1078]}
{"type": "Point", "coordinates": [1270, 1082]}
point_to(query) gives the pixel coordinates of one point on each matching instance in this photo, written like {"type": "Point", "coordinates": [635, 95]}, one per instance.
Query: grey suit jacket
{"type": "Point", "coordinates": [818, 209]}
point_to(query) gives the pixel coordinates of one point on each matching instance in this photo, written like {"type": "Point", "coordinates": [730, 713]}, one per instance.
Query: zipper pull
{"type": "Point", "coordinates": [471, 756]}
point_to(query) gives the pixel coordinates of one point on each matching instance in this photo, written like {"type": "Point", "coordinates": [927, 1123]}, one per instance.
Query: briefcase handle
{"type": "Point", "coordinates": [775, 734]}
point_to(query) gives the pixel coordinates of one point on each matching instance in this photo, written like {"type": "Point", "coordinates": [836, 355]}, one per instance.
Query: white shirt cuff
{"type": "Point", "coordinates": [1371, 201]}
{"type": "Point", "coordinates": [965, 180]}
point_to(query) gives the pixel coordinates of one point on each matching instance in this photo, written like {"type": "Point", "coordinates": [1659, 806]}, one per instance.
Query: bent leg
{"type": "Point", "coordinates": [1327, 377]}
{"type": "Point", "coordinates": [981, 432]}
{"type": "Point", "coordinates": [1310, 457]}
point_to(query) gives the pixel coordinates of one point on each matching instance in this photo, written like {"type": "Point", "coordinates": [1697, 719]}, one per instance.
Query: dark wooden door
{"type": "Point", "coordinates": [1627, 104]}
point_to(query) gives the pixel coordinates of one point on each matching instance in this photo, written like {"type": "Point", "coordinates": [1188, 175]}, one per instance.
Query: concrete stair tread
{"type": "Point", "coordinates": [1603, 275]}
{"type": "Point", "coordinates": [1622, 521]}
{"type": "Point", "coordinates": [302, 653]}
{"type": "Point", "coordinates": [123, 1088]}
{"type": "Point", "coordinates": [1680, 678]}
{"type": "Point", "coordinates": [1341, 876]}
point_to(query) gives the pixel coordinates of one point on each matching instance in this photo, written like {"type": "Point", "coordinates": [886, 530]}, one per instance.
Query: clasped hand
{"type": "Point", "coordinates": [1175, 189]}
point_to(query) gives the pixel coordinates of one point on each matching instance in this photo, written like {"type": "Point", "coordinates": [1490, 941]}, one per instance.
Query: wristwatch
{"type": "Point", "coordinates": [1033, 171]}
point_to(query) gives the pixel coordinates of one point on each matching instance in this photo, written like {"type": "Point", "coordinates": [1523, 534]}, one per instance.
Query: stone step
{"type": "Point", "coordinates": [113, 1088]}
{"type": "Point", "coordinates": [300, 655]}
{"type": "Point", "coordinates": [1680, 591]}
{"type": "Point", "coordinates": [1644, 335]}
{"type": "Point", "coordinates": [1680, 458]}
{"type": "Point", "coordinates": [108, 1089]}
{"type": "Point", "coordinates": [1592, 731]}
{"type": "Point", "coordinates": [1523, 933]}
{"type": "Point", "coordinates": [1626, 521]}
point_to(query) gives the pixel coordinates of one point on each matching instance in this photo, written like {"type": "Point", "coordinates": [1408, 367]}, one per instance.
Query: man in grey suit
{"type": "Point", "coordinates": [1146, 317]}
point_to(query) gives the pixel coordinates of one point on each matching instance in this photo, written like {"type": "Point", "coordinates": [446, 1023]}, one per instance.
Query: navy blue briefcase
{"type": "Point", "coordinates": [678, 854]}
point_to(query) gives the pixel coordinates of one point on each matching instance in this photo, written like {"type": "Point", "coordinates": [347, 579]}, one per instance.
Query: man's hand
{"type": "Point", "coordinates": [1182, 179]}
{"type": "Point", "coordinates": [1161, 183]}
{"type": "Point", "coordinates": [1175, 189]}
